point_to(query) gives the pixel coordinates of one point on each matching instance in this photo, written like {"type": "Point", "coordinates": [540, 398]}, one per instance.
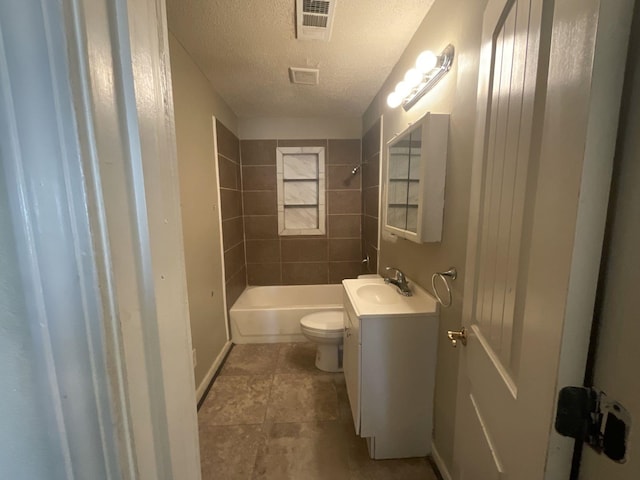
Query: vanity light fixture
{"type": "Point", "coordinates": [429, 69]}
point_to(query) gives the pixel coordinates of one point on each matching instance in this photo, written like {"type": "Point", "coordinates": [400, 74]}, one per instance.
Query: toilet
{"type": "Point", "coordinates": [325, 329]}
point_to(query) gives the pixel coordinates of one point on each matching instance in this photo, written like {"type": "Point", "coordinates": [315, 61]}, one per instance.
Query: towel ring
{"type": "Point", "coordinates": [452, 273]}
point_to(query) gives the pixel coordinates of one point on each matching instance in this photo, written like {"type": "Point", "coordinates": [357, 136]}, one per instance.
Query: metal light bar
{"type": "Point", "coordinates": [445, 61]}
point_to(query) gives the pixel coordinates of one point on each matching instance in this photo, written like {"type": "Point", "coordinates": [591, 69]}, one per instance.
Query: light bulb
{"type": "Point", "coordinates": [394, 99]}
{"type": "Point", "coordinates": [403, 89]}
{"type": "Point", "coordinates": [426, 61]}
{"type": "Point", "coordinates": [413, 77]}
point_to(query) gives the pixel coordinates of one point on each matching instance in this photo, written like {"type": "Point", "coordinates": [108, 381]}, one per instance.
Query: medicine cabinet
{"type": "Point", "coordinates": [415, 178]}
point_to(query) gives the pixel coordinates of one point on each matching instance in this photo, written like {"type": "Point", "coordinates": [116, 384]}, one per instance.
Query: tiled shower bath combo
{"type": "Point", "coordinates": [271, 413]}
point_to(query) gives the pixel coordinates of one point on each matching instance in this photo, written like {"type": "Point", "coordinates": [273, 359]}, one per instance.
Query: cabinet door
{"type": "Point", "coordinates": [351, 363]}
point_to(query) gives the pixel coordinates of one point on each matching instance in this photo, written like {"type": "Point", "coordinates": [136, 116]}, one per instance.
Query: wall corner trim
{"type": "Point", "coordinates": [217, 363]}
{"type": "Point", "coordinates": [437, 459]}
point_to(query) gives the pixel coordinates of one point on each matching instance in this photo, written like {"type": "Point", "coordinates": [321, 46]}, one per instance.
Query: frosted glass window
{"type": "Point", "coordinates": [300, 166]}
{"type": "Point", "coordinates": [412, 218]}
{"type": "Point", "coordinates": [398, 193]}
{"type": "Point", "coordinates": [414, 164]}
{"type": "Point", "coordinates": [301, 191]}
{"type": "Point", "coordinates": [414, 194]}
{"type": "Point", "coordinates": [300, 218]}
{"type": "Point", "coordinates": [399, 164]}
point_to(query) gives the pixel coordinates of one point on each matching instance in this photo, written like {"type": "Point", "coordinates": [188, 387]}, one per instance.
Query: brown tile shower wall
{"type": "Point", "coordinates": [296, 260]}
{"type": "Point", "coordinates": [370, 194]}
{"type": "Point", "coordinates": [229, 174]}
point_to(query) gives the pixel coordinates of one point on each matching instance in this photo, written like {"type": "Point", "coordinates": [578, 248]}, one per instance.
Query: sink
{"type": "Point", "coordinates": [371, 298]}
{"type": "Point", "coordinates": [379, 294]}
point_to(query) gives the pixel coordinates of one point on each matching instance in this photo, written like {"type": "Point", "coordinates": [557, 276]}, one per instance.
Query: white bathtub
{"type": "Point", "coordinates": [272, 314]}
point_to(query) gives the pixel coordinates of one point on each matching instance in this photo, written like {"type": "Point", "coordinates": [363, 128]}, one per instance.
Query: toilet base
{"type": "Point", "coordinates": [329, 358]}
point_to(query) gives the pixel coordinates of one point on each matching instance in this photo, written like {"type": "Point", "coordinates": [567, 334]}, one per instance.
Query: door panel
{"type": "Point", "coordinates": [504, 185]}
{"type": "Point", "coordinates": [483, 461]}
{"type": "Point", "coordinates": [493, 350]}
{"type": "Point", "coordinates": [536, 218]}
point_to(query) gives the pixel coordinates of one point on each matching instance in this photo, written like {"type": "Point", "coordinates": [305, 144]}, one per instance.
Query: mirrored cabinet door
{"type": "Point", "coordinates": [404, 180]}
{"type": "Point", "coordinates": [415, 179]}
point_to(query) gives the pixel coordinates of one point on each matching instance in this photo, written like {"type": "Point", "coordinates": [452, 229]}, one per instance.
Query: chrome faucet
{"type": "Point", "coordinates": [399, 280]}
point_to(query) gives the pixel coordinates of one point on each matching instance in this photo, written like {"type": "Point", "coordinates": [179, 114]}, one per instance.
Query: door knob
{"type": "Point", "coordinates": [455, 335]}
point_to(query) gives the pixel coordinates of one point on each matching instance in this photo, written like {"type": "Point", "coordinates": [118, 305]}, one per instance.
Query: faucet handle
{"type": "Point", "coordinates": [398, 273]}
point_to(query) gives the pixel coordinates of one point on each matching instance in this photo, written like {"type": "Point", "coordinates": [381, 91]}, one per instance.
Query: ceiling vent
{"type": "Point", "coordinates": [314, 19]}
{"type": "Point", "coordinates": [304, 76]}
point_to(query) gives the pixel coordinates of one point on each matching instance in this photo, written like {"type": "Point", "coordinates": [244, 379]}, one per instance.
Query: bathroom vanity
{"type": "Point", "coordinates": [389, 362]}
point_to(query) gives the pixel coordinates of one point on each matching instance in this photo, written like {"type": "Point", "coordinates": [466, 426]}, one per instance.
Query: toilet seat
{"type": "Point", "coordinates": [331, 321]}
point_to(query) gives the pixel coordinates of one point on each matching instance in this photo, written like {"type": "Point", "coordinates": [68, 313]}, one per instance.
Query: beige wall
{"type": "Point", "coordinates": [195, 103]}
{"type": "Point", "coordinates": [458, 22]}
{"type": "Point", "coordinates": [265, 128]}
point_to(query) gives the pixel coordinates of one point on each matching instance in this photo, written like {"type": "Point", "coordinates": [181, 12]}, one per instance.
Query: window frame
{"type": "Point", "coordinates": [281, 153]}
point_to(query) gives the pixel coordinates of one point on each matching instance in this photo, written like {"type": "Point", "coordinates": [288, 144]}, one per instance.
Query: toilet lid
{"type": "Point", "coordinates": [331, 320]}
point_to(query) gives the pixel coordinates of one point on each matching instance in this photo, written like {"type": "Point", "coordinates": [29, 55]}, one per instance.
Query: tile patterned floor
{"type": "Point", "coordinates": [272, 415]}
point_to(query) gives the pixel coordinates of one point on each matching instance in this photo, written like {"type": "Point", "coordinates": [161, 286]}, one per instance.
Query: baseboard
{"type": "Point", "coordinates": [202, 388]}
{"type": "Point", "coordinates": [437, 459]}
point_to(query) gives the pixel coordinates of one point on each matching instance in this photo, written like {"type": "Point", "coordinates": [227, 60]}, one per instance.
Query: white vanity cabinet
{"type": "Point", "coordinates": [389, 366]}
{"type": "Point", "coordinates": [351, 360]}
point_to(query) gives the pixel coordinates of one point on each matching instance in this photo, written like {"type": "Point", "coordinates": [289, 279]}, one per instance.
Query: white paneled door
{"type": "Point", "coordinates": [538, 206]}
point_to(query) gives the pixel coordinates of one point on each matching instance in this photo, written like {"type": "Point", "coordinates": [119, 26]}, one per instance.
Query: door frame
{"type": "Point", "coordinates": [613, 330]}
{"type": "Point", "coordinates": [575, 123]}
{"type": "Point", "coordinates": [141, 223]}
{"type": "Point", "coordinates": [107, 62]}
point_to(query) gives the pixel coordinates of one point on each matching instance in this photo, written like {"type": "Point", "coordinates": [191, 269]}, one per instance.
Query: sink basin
{"type": "Point", "coordinates": [371, 298]}
{"type": "Point", "coordinates": [379, 294]}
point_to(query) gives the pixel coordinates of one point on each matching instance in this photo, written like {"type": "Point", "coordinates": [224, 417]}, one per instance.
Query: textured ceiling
{"type": "Point", "coordinates": [245, 48]}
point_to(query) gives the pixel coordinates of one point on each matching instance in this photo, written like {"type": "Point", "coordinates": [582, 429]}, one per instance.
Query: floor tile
{"type": "Point", "coordinates": [236, 400]}
{"type": "Point", "coordinates": [302, 398]}
{"type": "Point", "coordinates": [344, 408]}
{"type": "Point", "coordinates": [405, 469]}
{"type": "Point", "coordinates": [297, 358]}
{"type": "Point", "coordinates": [362, 467]}
{"type": "Point", "coordinates": [309, 451]}
{"type": "Point", "coordinates": [251, 359]}
{"type": "Point", "coordinates": [272, 415]}
{"type": "Point", "coordinates": [229, 452]}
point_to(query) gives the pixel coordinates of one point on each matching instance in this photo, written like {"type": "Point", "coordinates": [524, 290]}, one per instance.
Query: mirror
{"type": "Point", "coordinates": [416, 163]}
{"type": "Point", "coordinates": [404, 179]}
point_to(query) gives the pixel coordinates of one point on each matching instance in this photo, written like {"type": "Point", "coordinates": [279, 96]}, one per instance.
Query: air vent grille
{"type": "Point", "coordinates": [304, 76]}
{"type": "Point", "coordinates": [316, 6]}
{"type": "Point", "coordinates": [314, 19]}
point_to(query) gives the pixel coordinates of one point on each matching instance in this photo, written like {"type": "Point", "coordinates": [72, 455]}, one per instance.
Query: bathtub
{"type": "Point", "coordinates": [272, 314]}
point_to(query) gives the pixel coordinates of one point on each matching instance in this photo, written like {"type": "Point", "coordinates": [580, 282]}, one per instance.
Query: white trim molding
{"type": "Point", "coordinates": [47, 150]}
{"type": "Point", "coordinates": [437, 459]}
{"type": "Point", "coordinates": [86, 121]}
{"type": "Point", "coordinates": [217, 363]}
